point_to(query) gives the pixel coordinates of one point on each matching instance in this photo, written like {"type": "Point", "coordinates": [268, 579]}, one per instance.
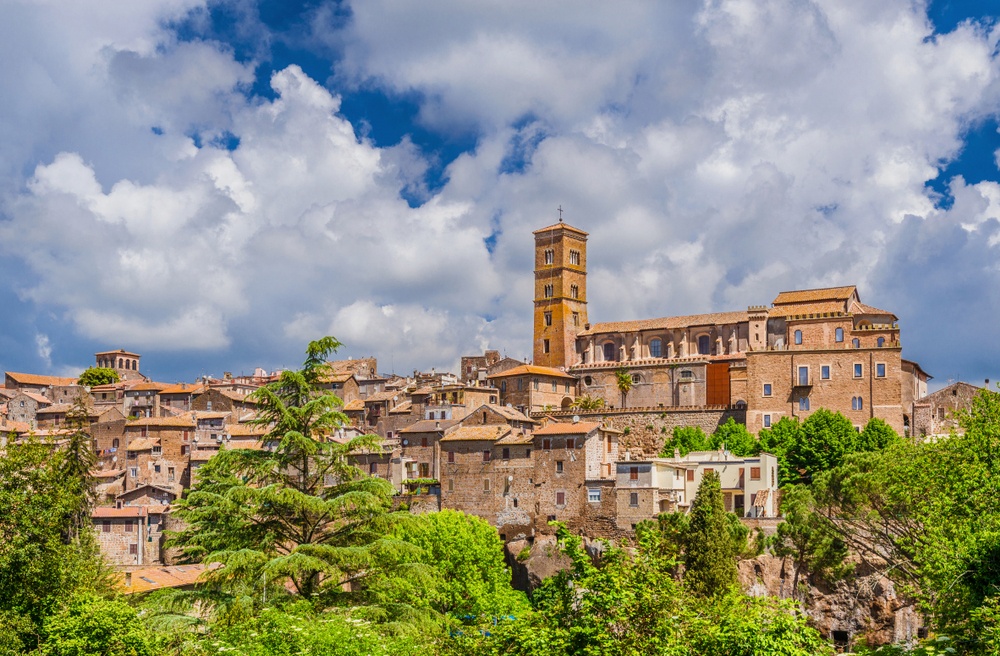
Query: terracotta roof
{"type": "Point", "coordinates": [9, 393]}
{"type": "Point", "coordinates": [252, 445]}
{"type": "Point", "coordinates": [382, 396]}
{"type": "Point", "coordinates": [38, 398]}
{"type": "Point", "coordinates": [807, 308]}
{"type": "Point", "coordinates": [180, 421]}
{"type": "Point", "coordinates": [562, 225]}
{"type": "Point", "coordinates": [105, 512]}
{"type": "Point", "coordinates": [210, 414]}
{"type": "Point", "coordinates": [422, 390]}
{"type": "Point", "coordinates": [14, 427]}
{"type": "Point", "coordinates": [354, 405]}
{"type": "Point", "coordinates": [669, 323]}
{"type": "Point", "coordinates": [566, 428]}
{"type": "Point", "coordinates": [507, 413]}
{"type": "Point", "coordinates": [861, 308]}
{"type": "Point", "coordinates": [515, 437]}
{"type": "Point", "coordinates": [107, 473]}
{"type": "Point", "coordinates": [175, 490]}
{"type": "Point", "coordinates": [156, 578]}
{"type": "Point", "coordinates": [402, 408]}
{"type": "Point", "coordinates": [429, 426]}
{"type": "Point", "coordinates": [37, 379]}
{"type": "Point", "coordinates": [478, 433]}
{"type": "Point", "coordinates": [55, 408]}
{"type": "Point", "coordinates": [337, 377]}
{"type": "Point", "coordinates": [246, 430]}
{"type": "Point", "coordinates": [532, 370]}
{"type": "Point", "coordinates": [236, 396]}
{"type": "Point", "coordinates": [118, 352]}
{"type": "Point", "coordinates": [812, 295]}
{"type": "Point", "coordinates": [143, 444]}
{"type": "Point", "coordinates": [183, 388]}
{"type": "Point", "coordinates": [148, 386]}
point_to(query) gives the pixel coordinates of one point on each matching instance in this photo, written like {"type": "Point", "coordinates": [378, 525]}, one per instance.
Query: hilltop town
{"type": "Point", "coordinates": [574, 435]}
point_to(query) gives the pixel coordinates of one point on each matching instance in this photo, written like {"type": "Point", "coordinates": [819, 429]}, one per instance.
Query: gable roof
{"type": "Point", "coordinates": [560, 226]}
{"type": "Point", "coordinates": [669, 323]}
{"type": "Point", "coordinates": [429, 426]}
{"type": "Point", "coordinates": [567, 428]}
{"type": "Point", "coordinates": [38, 379]}
{"type": "Point", "coordinates": [533, 370]}
{"type": "Point", "coordinates": [490, 433]}
{"type": "Point", "coordinates": [183, 388]}
{"type": "Point", "coordinates": [813, 295]}
{"type": "Point", "coordinates": [861, 308]}
{"type": "Point", "coordinates": [185, 420]}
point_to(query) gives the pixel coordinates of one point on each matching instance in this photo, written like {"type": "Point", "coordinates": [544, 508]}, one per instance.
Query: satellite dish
{"type": "Point", "coordinates": [406, 442]}
{"type": "Point", "coordinates": [510, 479]}
{"type": "Point", "coordinates": [576, 419]}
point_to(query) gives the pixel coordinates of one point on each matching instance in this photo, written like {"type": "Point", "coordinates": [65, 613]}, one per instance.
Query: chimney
{"type": "Point", "coordinates": [128, 579]}
{"type": "Point", "coordinates": [437, 425]}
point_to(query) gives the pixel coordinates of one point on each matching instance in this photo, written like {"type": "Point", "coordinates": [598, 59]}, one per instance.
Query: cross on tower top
{"type": "Point", "coordinates": [560, 213]}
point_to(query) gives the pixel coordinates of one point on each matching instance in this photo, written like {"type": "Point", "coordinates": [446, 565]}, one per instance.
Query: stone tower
{"type": "Point", "coordinates": [125, 363]}
{"type": "Point", "coordinates": [560, 293]}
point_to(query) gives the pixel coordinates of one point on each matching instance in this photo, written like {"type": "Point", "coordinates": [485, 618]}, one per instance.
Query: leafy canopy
{"type": "Point", "coordinates": [94, 376]}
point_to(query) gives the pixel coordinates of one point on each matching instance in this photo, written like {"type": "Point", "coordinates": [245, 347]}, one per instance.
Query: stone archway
{"type": "Point", "coordinates": [566, 403]}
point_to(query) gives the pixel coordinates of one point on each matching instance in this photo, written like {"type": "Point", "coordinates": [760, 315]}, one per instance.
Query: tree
{"type": "Point", "coordinates": [91, 626]}
{"type": "Point", "coordinates": [877, 436]}
{"type": "Point", "coordinates": [778, 440]}
{"type": "Point", "coordinates": [709, 548]}
{"type": "Point", "coordinates": [806, 538]}
{"type": "Point", "coordinates": [685, 439]}
{"type": "Point", "coordinates": [94, 376]}
{"type": "Point", "coordinates": [826, 437]}
{"type": "Point", "coordinates": [587, 402]}
{"type": "Point", "coordinates": [735, 438]}
{"type": "Point", "coordinates": [79, 461]}
{"type": "Point", "coordinates": [299, 513]}
{"type": "Point", "coordinates": [624, 381]}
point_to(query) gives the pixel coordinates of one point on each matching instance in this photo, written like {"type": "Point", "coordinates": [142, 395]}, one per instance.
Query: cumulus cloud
{"type": "Point", "coordinates": [717, 151]}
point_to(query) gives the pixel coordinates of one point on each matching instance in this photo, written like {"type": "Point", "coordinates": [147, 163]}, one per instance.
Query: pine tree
{"type": "Point", "coordinates": [710, 552]}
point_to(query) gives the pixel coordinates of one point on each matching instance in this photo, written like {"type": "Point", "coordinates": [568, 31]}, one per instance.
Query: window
{"type": "Point", "coordinates": [559, 466]}
{"type": "Point", "coordinates": [857, 403]}
{"type": "Point", "coordinates": [133, 471]}
{"type": "Point", "coordinates": [545, 346]}
{"type": "Point", "coordinates": [560, 498]}
{"type": "Point", "coordinates": [546, 444]}
{"type": "Point", "coordinates": [527, 453]}
{"type": "Point", "coordinates": [880, 370]}
{"type": "Point", "coordinates": [767, 389]}
{"type": "Point", "coordinates": [574, 291]}
{"type": "Point", "coordinates": [156, 469]}
{"type": "Point", "coordinates": [550, 256]}
{"type": "Point", "coordinates": [574, 257]}
{"type": "Point", "coordinates": [755, 473]}
{"type": "Point", "coordinates": [505, 453]}
{"type": "Point", "coordinates": [548, 291]}
{"type": "Point", "coordinates": [157, 450]}
{"type": "Point", "coordinates": [106, 526]}
{"type": "Point", "coordinates": [633, 499]}
{"type": "Point", "coordinates": [858, 370]}
{"type": "Point", "coordinates": [838, 335]}
{"type": "Point", "coordinates": [803, 375]}
{"type": "Point", "coordinates": [588, 381]}
{"type": "Point", "coordinates": [767, 421]}
{"type": "Point", "coordinates": [655, 348]}
{"type": "Point", "coordinates": [425, 470]}
{"type": "Point", "coordinates": [686, 374]}
{"type": "Point", "coordinates": [594, 495]}
{"type": "Point", "coordinates": [567, 388]}
{"type": "Point", "coordinates": [114, 443]}
{"type": "Point", "coordinates": [824, 372]}
{"type": "Point", "coordinates": [451, 484]}
{"type": "Point", "coordinates": [803, 403]}
{"type": "Point", "coordinates": [570, 443]}
{"type": "Point", "coordinates": [486, 485]}
{"type": "Point", "coordinates": [129, 527]}
{"type": "Point", "coordinates": [133, 549]}
{"type": "Point", "coordinates": [690, 475]}
{"type": "Point", "coordinates": [636, 379]}
{"type": "Point", "coordinates": [704, 345]}
{"type": "Point", "coordinates": [548, 318]}
{"type": "Point", "coordinates": [372, 468]}
{"type": "Point", "coordinates": [880, 342]}
{"type": "Point", "coordinates": [534, 384]}
{"type": "Point", "coordinates": [576, 318]}
{"type": "Point", "coordinates": [609, 352]}
{"type": "Point", "coordinates": [856, 343]}
{"type": "Point", "coordinates": [798, 336]}
{"type": "Point", "coordinates": [503, 386]}
{"type": "Point", "coordinates": [170, 473]}
{"type": "Point", "coordinates": [555, 387]}
{"type": "Point", "coordinates": [451, 456]}
{"type": "Point", "coordinates": [633, 473]}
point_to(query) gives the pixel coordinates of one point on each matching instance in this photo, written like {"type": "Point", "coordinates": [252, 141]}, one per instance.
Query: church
{"type": "Point", "coordinates": [808, 349]}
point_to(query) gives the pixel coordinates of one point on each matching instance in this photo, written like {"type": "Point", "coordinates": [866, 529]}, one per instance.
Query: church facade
{"type": "Point", "coordinates": [808, 349]}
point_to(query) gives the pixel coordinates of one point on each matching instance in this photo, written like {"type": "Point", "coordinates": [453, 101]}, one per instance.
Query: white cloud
{"type": "Point", "coordinates": [44, 349]}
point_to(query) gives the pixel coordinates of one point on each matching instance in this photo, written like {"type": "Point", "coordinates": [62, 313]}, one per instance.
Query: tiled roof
{"type": "Point", "coordinates": [477, 433]}
{"type": "Point", "coordinates": [246, 430]}
{"type": "Point", "coordinates": [107, 473]}
{"type": "Point", "coordinates": [180, 421]}
{"type": "Point", "coordinates": [337, 377]}
{"type": "Point", "coordinates": [429, 426]}
{"type": "Point", "coordinates": [118, 352]}
{"type": "Point", "coordinates": [176, 489]}
{"type": "Point", "coordinates": [422, 390]}
{"type": "Point", "coordinates": [14, 427]}
{"type": "Point", "coordinates": [565, 428]}
{"type": "Point", "coordinates": [813, 295]}
{"type": "Point", "coordinates": [512, 414]}
{"type": "Point", "coordinates": [148, 386]}
{"type": "Point", "coordinates": [515, 437]}
{"type": "Point", "coordinates": [143, 444]}
{"type": "Point", "coordinates": [252, 445]}
{"type": "Point", "coordinates": [37, 379]}
{"type": "Point", "coordinates": [388, 395]}
{"type": "Point", "coordinates": [354, 405]}
{"type": "Point", "coordinates": [668, 323]}
{"type": "Point", "coordinates": [105, 512]}
{"type": "Point", "coordinates": [532, 370]}
{"type": "Point", "coordinates": [156, 578]}
{"type": "Point", "coordinates": [9, 393]}
{"type": "Point", "coordinates": [796, 309]}
{"type": "Point", "coordinates": [861, 308]}
{"type": "Point", "coordinates": [55, 408]}
{"type": "Point", "coordinates": [210, 414]}
{"type": "Point", "coordinates": [183, 388]}
{"type": "Point", "coordinates": [555, 226]}
{"type": "Point", "coordinates": [37, 398]}
{"type": "Point", "coordinates": [402, 408]}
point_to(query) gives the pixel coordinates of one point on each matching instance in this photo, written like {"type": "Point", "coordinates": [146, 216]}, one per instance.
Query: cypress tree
{"type": "Point", "coordinates": [710, 552]}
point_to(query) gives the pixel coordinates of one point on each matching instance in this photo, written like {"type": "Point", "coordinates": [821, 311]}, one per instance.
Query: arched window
{"type": "Point", "coordinates": [655, 348]}
{"type": "Point", "coordinates": [548, 291]}
{"type": "Point", "coordinates": [636, 379]}
{"type": "Point", "coordinates": [588, 381]}
{"type": "Point", "coordinates": [798, 336]}
{"type": "Point", "coordinates": [120, 363]}
{"type": "Point", "coordinates": [704, 345]}
{"type": "Point", "coordinates": [856, 343]}
{"type": "Point", "coordinates": [880, 342]}
{"type": "Point", "coordinates": [574, 291]}
{"type": "Point", "coordinates": [609, 352]}
{"type": "Point", "coordinates": [550, 256]}
{"type": "Point", "coordinates": [839, 334]}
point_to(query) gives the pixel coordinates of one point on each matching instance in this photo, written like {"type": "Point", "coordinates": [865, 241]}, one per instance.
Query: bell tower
{"type": "Point", "coordinates": [560, 293]}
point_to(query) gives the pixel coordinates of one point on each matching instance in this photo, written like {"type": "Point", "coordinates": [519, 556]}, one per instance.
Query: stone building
{"type": "Point", "coordinates": [531, 388]}
{"type": "Point", "coordinates": [130, 536]}
{"type": "Point", "coordinates": [125, 364]}
{"type": "Point", "coordinates": [937, 414]}
{"type": "Point", "coordinates": [473, 368]}
{"type": "Point", "coordinates": [158, 450]}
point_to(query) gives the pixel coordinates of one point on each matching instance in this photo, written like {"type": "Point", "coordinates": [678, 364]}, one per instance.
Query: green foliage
{"type": "Point", "coordinates": [778, 440]}
{"type": "Point", "coordinates": [709, 547]}
{"type": "Point", "coordinates": [686, 439]}
{"type": "Point", "coordinates": [735, 438]}
{"type": "Point", "coordinates": [823, 441]}
{"type": "Point", "coordinates": [587, 402]}
{"type": "Point", "coordinates": [92, 626]}
{"type": "Point", "coordinates": [877, 436]}
{"type": "Point", "coordinates": [465, 557]}
{"type": "Point", "coordinates": [807, 538]}
{"type": "Point", "coordinates": [94, 376]}
{"type": "Point", "coordinates": [623, 379]}
{"type": "Point", "coordinates": [930, 512]}
{"type": "Point", "coordinates": [301, 514]}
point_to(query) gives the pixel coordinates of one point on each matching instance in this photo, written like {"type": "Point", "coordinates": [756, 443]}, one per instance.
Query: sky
{"type": "Point", "coordinates": [214, 184]}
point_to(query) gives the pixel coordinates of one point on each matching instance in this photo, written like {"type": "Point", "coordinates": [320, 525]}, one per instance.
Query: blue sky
{"type": "Point", "coordinates": [214, 184]}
